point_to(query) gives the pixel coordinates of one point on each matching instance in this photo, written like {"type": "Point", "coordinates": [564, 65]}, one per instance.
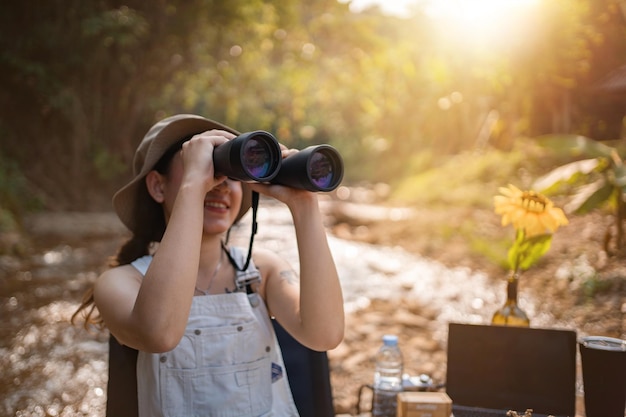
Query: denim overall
{"type": "Point", "coordinates": [228, 363]}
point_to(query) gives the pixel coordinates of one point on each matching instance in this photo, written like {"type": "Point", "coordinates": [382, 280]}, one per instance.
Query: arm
{"type": "Point", "coordinates": [313, 310]}
{"type": "Point", "coordinates": [150, 313]}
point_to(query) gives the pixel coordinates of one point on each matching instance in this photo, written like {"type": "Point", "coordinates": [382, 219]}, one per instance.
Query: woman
{"type": "Point", "coordinates": [205, 341]}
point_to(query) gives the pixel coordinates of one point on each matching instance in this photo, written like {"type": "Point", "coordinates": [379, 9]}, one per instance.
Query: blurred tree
{"type": "Point", "coordinates": [80, 81]}
{"type": "Point", "coordinates": [306, 73]}
{"type": "Point", "coordinates": [602, 114]}
{"type": "Point", "coordinates": [83, 80]}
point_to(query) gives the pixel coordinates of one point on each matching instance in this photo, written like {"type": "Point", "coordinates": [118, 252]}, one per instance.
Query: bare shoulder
{"type": "Point", "coordinates": [119, 277]}
{"type": "Point", "coordinates": [122, 271]}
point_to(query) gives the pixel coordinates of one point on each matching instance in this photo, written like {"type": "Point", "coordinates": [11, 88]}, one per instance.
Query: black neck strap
{"type": "Point", "coordinates": [255, 206]}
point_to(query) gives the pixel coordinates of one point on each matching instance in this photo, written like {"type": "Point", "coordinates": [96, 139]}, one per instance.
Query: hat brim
{"type": "Point", "coordinates": [132, 203]}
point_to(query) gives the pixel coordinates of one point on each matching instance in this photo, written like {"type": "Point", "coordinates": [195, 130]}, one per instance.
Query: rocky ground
{"type": "Point", "coordinates": [577, 282]}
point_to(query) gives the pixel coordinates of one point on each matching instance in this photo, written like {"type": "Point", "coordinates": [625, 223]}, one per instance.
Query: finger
{"type": "Point", "coordinates": [288, 152]}
{"type": "Point", "coordinates": [222, 133]}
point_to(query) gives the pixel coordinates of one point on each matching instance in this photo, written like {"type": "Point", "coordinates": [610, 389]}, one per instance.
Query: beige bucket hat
{"type": "Point", "coordinates": [132, 203]}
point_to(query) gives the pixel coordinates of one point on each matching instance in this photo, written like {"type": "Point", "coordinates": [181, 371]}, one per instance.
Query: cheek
{"type": "Point", "coordinates": [235, 193]}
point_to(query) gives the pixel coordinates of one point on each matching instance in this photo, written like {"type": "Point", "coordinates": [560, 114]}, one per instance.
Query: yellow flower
{"type": "Point", "coordinates": [528, 211]}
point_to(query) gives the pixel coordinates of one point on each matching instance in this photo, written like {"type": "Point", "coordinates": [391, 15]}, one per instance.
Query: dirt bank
{"type": "Point", "coordinates": [577, 282]}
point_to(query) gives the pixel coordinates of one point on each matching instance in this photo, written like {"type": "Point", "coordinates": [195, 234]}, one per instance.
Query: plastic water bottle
{"type": "Point", "coordinates": [387, 378]}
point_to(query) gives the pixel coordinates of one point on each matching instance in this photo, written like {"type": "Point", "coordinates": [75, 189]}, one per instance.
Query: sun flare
{"type": "Point", "coordinates": [475, 22]}
{"type": "Point", "coordinates": [481, 19]}
{"type": "Point", "coordinates": [478, 11]}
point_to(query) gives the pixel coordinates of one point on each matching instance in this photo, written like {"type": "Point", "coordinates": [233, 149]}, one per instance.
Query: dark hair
{"type": "Point", "coordinates": [150, 229]}
{"type": "Point", "coordinates": [163, 164]}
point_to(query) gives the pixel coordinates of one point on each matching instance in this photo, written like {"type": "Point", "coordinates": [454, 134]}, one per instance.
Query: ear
{"type": "Point", "coordinates": [155, 186]}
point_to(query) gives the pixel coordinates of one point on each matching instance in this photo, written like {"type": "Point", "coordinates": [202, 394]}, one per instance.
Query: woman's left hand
{"type": "Point", "coordinates": [283, 193]}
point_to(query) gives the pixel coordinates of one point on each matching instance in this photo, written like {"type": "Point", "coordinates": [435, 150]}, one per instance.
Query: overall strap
{"type": "Point", "coordinates": [247, 275]}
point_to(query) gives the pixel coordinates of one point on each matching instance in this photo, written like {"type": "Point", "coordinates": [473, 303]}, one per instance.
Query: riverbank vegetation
{"type": "Point", "coordinates": [397, 95]}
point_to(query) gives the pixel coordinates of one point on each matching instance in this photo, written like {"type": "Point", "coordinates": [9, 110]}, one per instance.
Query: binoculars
{"type": "Point", "coordinates": [256, 156]}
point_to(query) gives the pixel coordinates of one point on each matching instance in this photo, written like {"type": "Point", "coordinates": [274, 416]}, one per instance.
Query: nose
{"type": "Point", "coordinates": [221, 187]}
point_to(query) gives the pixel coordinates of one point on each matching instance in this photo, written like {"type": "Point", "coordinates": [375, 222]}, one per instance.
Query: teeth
{"type": "Point", "coordinates": [215, 204]}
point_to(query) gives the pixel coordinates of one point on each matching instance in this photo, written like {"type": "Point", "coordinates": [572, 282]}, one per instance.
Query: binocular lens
{"type": "Point", "coordinates": [257, 158]}
{"type": "Point", "coordinates": [316, 168]}
{"type": "Point", "coordinates": [322, 169]}
{"type": "Point", "coordinates": [252, 156]}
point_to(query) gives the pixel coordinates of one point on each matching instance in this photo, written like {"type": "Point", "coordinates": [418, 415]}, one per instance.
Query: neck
{"type": "Point", "coordinates": [210, 268]}
{"type": "Point", "coordinates": [210, 254]}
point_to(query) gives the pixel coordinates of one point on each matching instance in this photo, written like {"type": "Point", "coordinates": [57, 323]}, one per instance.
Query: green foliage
{"type": "Point", "coordinates": [593, 286]}
{"type": "Point", "coordinates": [569, 174]}
{"type": "Point", "coordinates": [595, 182]}
{"type": "Point", "coordinates": [492, 250]}
{"type": "Point", "coordinates": [15, 199]}
{"type": "Point", "coordinates": [8, 222]}
{"type": "Point", "coordinates": [83, 80]}
{"type": "Point", "coordinates": [525, 252]}
{"type": "Point", "coordinates": [122, 27]}
{"type": "Point", "coordinates": [107, 165]}
{"type": "Point", "coordinates": [470, 179]}
{"type": "Point", "coordinates": [467, 179]}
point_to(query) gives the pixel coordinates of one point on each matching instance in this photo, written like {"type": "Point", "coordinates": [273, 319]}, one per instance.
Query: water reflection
{"type": "Point", "coordinates": [51, 368]}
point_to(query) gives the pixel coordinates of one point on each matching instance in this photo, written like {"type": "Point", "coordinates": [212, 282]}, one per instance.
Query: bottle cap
{"type": "Point", "coordinates": [390, 340]}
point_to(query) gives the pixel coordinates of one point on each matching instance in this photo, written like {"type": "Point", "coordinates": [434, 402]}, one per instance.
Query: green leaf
{"type": "Point", "coordinates": [620, 176]}
{"type": "Point", "coordinates": [575, 145]}
{"type": "Point", "coordinates": [568, 173]}
{"type": "Point", "coordinates": [590, 196]}
{"type": "Point", "coordinates": [526, 252]}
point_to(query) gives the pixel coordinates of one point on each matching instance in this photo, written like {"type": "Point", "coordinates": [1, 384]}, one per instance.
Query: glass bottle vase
{"type": "Point", "coordinates": [510, 314]}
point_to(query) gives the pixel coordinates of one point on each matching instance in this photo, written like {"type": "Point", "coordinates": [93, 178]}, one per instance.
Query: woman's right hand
{"type": "Point", "coordinates": [197, 155]}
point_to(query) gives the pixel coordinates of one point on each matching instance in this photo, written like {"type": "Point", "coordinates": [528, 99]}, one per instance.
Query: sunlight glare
{"type": "Point", "coordinates": [399, 8]}
{"type": "Point", "coordinates": [484, 23]}
{"type": "Point", "coordinates": [479, 19]}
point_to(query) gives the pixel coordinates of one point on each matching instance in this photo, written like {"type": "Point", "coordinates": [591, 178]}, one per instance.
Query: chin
{"type": "Point", "coordinates": [216, 228]}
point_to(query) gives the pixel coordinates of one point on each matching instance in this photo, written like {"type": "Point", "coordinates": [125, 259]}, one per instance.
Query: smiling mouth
{"type": "Point", "coordinates": [215, 204]}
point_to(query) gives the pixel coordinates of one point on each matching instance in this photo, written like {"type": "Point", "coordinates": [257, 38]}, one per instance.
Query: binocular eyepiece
{"type": "Point", "coordinates": [256, 156]}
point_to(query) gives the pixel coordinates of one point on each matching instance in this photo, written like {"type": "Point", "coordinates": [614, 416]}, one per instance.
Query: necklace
{"type": "Point", "coordinates": [217, 268]}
